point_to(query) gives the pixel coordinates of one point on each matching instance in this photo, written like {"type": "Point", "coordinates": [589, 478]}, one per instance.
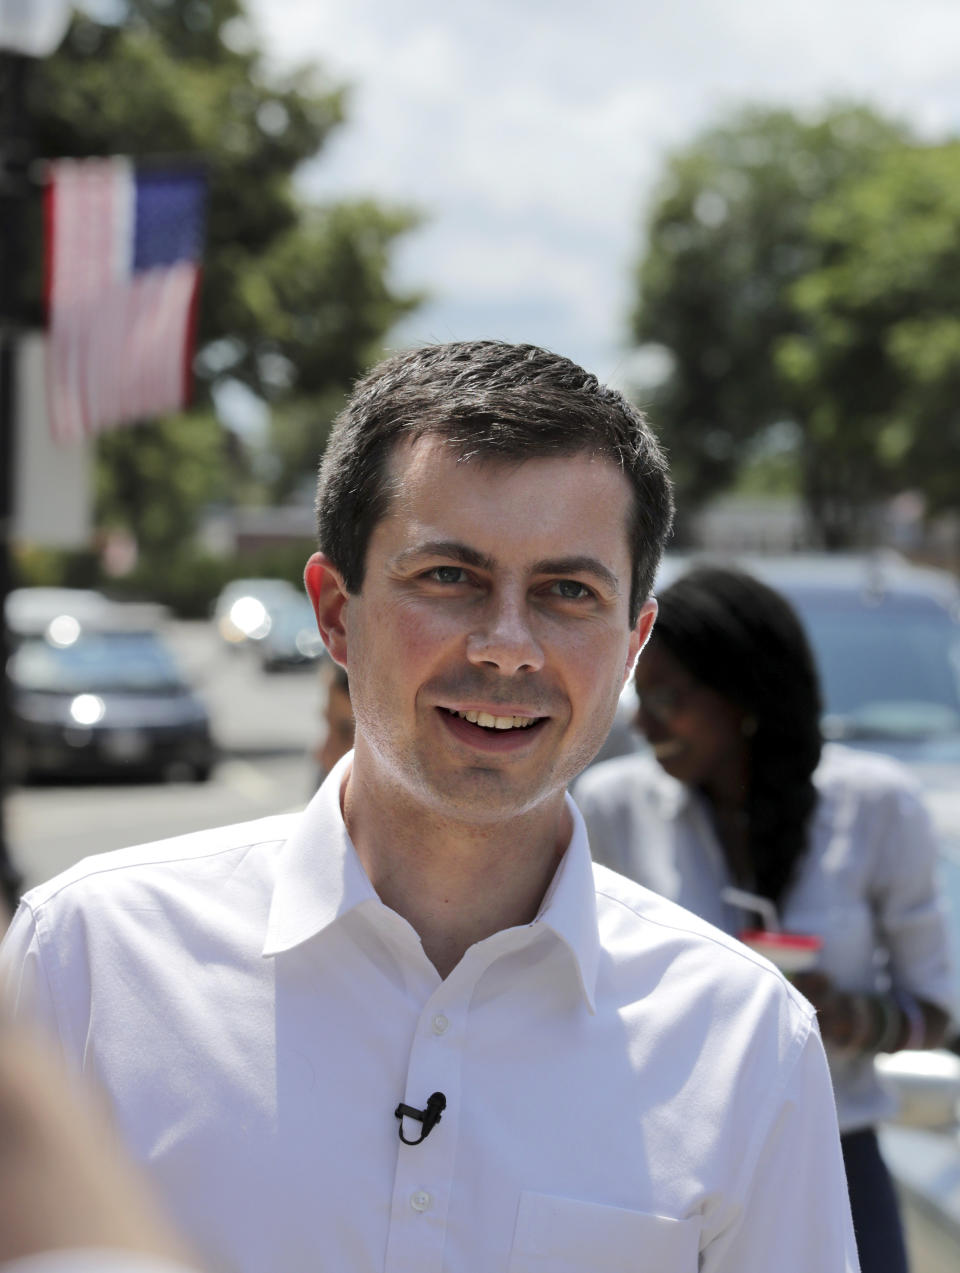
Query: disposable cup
{"type": "Point", "coordinates": [791, 952]}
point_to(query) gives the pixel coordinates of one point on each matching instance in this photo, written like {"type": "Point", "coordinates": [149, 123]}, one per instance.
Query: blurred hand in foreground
{"type": "Point", "coordinates": [64, 1181]}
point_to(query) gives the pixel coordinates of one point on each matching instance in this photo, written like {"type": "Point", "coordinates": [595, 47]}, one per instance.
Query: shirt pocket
{"type": "Point", "coordinates": [563, 1235]}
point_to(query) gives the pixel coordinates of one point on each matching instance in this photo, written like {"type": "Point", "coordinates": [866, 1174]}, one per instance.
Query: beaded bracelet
{"type": "Point", "coordinates": [891, 1026]}
{"type": "Point", "coordinates": [917, 1026]}
{"type": "Point", "coordinates": [862, 1021]}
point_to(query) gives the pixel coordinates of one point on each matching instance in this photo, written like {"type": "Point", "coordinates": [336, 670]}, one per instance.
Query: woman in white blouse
{"type": "Point", "coordinates": [739, 792]}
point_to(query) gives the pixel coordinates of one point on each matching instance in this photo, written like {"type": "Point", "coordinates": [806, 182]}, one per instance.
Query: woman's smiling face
{"type": "Point", "coordinates": [695, 733]}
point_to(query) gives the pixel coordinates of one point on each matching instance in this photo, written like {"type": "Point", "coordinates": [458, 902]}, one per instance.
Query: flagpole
{"type": "Point", "coordinates": [27, 31]}
{"type": "Point", "coordinates": [14, 189]}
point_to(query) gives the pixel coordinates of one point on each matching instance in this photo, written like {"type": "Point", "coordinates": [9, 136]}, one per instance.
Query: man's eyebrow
{"type": "Point", "coordinates": [449, 548]}
{"type": "Point", "coordinates": [579, 566]}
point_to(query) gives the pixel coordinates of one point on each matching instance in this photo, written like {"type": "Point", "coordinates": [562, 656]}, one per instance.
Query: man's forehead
{"type": "Point", "coordinates": [575, 508]}
{"type": "Point", "coordinates": [410, 457]}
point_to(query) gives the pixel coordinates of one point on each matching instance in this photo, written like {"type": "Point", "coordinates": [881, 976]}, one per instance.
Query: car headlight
{"type": "Point", "coordinates": [249, 616]}
{"type": "Point", "coordinates": [87, 709]}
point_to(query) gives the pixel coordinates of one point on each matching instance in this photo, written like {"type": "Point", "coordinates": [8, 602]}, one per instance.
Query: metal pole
{"type": "Point", "coordinates": [14, 157]}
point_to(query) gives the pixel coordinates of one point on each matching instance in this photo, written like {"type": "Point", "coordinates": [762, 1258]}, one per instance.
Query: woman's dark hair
{"type": "Point", "coordinates": [487, 400]}
{"type": "Point", "coordinates": [743, 640]}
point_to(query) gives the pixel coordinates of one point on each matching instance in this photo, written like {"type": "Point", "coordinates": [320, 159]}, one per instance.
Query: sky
{"type": "Point", "coordinates": [531, 133]}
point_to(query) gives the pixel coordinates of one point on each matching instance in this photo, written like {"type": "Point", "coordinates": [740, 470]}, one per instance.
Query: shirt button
{"type": "Point", "coordinates": [440, 1024]}
{"type": "Point", "coordinates": [420, 1200]}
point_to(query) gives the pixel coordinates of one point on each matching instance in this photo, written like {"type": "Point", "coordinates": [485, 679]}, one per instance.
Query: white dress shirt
{"type": "Point", "coordinates": [866, 885]}
{"type": "Point", "coordinates": [627, 1088]}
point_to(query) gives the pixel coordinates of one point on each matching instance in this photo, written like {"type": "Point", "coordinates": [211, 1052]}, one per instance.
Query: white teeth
{"type": "Point", "coordinates": [497, 722]}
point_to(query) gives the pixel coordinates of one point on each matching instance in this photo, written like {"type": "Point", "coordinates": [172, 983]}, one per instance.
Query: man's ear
{"type": "Point", "coordinates": [640, 634]}
{"type": "Point", "coordinates": [329, 596]}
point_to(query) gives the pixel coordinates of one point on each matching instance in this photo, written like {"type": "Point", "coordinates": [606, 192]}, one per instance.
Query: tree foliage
{"type": "Point", "coordinates": [295, 298]}
{"type": "Point", "coordinates": [875, 368]}
{"type": "Point", "coordinates": [728, 239]}
{"type": "Point", "coordinates": [134, 486]}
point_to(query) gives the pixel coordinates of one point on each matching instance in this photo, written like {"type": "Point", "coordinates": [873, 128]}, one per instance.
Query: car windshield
{"type": "Point", "coordinates": [890, 668]}
{"type": "Point", "coordinates": [96, 661]}
{"type": "Point", "coordinates": [288, 619]}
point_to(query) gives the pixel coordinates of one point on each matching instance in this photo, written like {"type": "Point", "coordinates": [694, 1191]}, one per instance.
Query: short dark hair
{"type": "Point", "coordinates": [488, 399]}
{"type": "Point", "coordinates": [743, 640]}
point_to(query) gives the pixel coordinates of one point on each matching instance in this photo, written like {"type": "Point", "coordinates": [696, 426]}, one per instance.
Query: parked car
{"type": "Point", "coordinates": [96, 691]}
{"type": "Point", "coordinates": [292, 639]}
{"type": "Point", "coordinates": [30, 610]}
{"type": "Point", "coordinates": [242, 612]}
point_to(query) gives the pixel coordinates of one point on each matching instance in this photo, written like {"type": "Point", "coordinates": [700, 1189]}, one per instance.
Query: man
{"type": "Point", "coordinates": [413, 1028]}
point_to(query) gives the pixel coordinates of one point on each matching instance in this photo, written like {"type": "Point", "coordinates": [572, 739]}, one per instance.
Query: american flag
{"type": "Point", "coordinates": [123, 270]}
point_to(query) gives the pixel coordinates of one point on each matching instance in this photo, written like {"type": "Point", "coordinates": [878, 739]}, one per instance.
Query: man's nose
{"type": "Point", "coordinates": [504, 639]}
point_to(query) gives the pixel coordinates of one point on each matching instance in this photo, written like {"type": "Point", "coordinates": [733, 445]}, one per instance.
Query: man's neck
{"type": "Point", "coordinates": [456, 883]}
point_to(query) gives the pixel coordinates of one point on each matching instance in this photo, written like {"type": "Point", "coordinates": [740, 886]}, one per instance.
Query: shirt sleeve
{"type": "Point", "coordinates": [796, 1215]}
{"type": "Point", "coordinates": [93, 1260]}
{"type": "Point", "coordinates": [27, 992]}
{"type": "Point", "coordinates": [910, 910]}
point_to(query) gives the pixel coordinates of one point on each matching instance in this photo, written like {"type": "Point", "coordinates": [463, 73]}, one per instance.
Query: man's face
{"type": "Point", "coordinates": [491, 637]}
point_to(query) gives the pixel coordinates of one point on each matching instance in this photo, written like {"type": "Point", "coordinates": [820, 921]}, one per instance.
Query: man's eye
{"type": "Point", "coordinates": [570, 589]}
{"type": "Point", "coordinates": [447, 574]}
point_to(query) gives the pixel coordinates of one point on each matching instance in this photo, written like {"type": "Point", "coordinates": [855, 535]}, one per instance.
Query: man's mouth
{"type": "Point", "coordinates": [487, 721]}
{"type": "Point", "coordinates": [668, 748]}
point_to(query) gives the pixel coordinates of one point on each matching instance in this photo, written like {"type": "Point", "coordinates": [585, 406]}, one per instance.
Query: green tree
{"type": "Point", "coordinates": [727, 238]}
{"type": "Point", "coordinates": [295, 298]}
{"type": "Point", "coordinates": [134, 486]}
{"type": "Point", "coordinates": [875, 367]}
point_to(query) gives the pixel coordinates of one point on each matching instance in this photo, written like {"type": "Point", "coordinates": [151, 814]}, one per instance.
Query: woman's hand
{"type": "Point", "coordinates": [872, 1023]}
{"type": "Point", "coordinates": [844, 1018]}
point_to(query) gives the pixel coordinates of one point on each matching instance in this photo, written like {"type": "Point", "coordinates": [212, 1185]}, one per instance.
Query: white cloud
{"type": "Point", "coordinates": [531, 133]}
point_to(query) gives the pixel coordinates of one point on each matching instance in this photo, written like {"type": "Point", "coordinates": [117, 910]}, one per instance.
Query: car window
{"type": "Point", "coordinates": [889, 668]}
{"type": "Point", "coordinates": [289, 617]}
{"type": "Point", "coordinates": [95, 661]}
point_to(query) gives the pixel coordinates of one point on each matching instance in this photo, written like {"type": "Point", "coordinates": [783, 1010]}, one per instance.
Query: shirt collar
{"type": "Point", "coordinates": [320, 878]}
{"type": "Point", "coordinates": [569, 907]}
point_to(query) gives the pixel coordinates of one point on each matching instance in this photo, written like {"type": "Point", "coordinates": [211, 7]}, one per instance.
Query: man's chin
{"type": "Point", "coordinates": [483, 796]}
